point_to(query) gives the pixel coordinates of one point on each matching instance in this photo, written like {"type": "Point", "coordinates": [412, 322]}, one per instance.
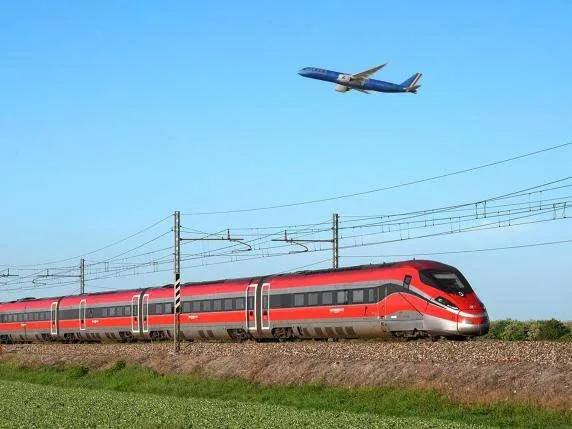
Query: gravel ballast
{"type": "Point", "coordinates": [474, 371]}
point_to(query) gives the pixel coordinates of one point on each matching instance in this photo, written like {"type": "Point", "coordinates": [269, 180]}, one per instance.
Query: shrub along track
{"type": "Point", "coordinates": [470, 372]}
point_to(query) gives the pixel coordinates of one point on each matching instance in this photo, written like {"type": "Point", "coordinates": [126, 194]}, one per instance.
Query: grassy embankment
{"type": "Point", "coordinates": [136, 396]}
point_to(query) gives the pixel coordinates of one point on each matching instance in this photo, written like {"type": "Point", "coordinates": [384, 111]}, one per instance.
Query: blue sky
{"type": "Point", "coordinates": [115, 114]}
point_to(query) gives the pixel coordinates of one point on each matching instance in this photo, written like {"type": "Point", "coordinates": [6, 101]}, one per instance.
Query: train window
{"type": "Point", "coordinates": [407, 281]}
{"type": "Point", "coordinates": [239, 303]}
{"type": "Point", "coordinates": [370, 294]}
{"type": "Point", "coordinates": [448, 281]}
{"type": "Point", "coordinates": [217, 304]}
{"type": "Point", "coordinates": [186, 307]}
{"type": "Point", "coordinates": [313, 298]}
{"type": "Point", "coordinates": [327, 298]}
{"type": "Point", "coordinates": [196, 306]}
{"type": "Point", "coordinates": [119, 311]}
{"type": "Point", "coordinates": [111, 311]}
{"type": "Point", "coordinates": [167, 307]}
{"type": "Point", "coordinates": [250, 302]}
{"type": "Point", "coordinates": [104, 312]}
{"type": "Point", "coordinates": [159, 308]}
{"type": "Point", "coordinates": [357, 296]}
{"type": "Point", "coordinates": [342, 297]}
{"type": "Point", "coordinates": [298, 299]}
{"type": "Point", "coordinates": [228, 304]}
{"type": "Point", "coordinates": [206, 305]}
{"type": "Point", "coordinates": [127, 309]}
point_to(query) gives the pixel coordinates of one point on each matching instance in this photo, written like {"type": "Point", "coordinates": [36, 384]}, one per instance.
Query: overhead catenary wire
{"type": "Point", "coordinates": [265, 251]}
{"type": "Point", "coordinates": [454, 252]}
{"type": "Point", "coordinates": [519, 193]}
{"type": "Point", "coordinates": [382, 188]}
{"type": "Point", "coordinates": [98, 249]}
{"type": "Point", "coordinates": [513, 214]}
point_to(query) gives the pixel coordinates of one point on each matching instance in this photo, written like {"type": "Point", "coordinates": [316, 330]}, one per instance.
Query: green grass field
{"type": "Point", "coordinates": [33, 405]}
{"type": "Point", "coordinates": [138, 397]}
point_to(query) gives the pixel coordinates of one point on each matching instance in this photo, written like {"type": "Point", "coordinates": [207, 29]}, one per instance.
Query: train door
{"type": "Point", "coordinates": [145, 313]}
{"type": "Point", "coordinates": [265, 307]}
{"type": "Point", "coordinates": [135, 314]}
{"type": "Point", "coordinates": [82, 315]}
{"type": "Point", "coordinates": [382, 301]}
{"type": "Point", "coordinates": [250, 306]}
{"type": "Point", "coordinates": [24, 324]}
{"type": "Point", "coordinates": [54, 318]}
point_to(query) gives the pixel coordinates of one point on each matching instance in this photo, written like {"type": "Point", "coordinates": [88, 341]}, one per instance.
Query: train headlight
{"type": "Point", "coordinates": [446, 302]}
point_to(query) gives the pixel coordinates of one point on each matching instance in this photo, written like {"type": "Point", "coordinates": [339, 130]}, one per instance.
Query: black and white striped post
{"type": "Point", "coordinates": [177, 281]}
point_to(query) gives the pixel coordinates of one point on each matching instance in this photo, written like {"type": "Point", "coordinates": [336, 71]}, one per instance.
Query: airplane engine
{"type": "Point", "coordinates": [345, 78]}
{"type": "Point", "coordinates": [342, 88]}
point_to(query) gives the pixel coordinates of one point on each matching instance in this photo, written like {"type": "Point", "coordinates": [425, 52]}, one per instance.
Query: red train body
{"type": "Point", "coordinates": [407, 299]}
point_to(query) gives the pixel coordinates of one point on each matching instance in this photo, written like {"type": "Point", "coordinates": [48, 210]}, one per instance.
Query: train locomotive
{"type": "Point", "coordinates": [406, 299]}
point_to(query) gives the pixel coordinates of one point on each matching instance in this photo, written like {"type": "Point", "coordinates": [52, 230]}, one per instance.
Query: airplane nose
{"type": "Point", "coordinates": [302, 72]}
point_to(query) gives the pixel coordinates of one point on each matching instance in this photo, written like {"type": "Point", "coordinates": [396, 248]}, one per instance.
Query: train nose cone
{"type": "Point", "coordinates": [469, 324]}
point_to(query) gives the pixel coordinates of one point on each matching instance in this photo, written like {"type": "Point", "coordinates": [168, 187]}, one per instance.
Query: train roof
{"type": "Point", "coordinates": [417, 263]}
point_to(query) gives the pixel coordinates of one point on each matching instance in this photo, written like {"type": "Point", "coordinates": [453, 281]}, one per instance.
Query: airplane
{"type": "Point", "coordinates": [361, 81]}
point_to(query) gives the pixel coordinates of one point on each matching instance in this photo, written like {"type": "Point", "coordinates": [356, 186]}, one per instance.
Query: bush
{"type": "Point", "coordinates": [553, 329]}
{"type": "Point", "coordinates": [497, 328]}
{"type": "Point", "coordinates": [535, 330]}
{"type": "Point", "coordinates": [515, 331]}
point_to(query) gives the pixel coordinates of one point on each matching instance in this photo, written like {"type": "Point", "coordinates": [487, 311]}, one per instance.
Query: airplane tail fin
{"type": "Point", "coordinates": [411, 83]}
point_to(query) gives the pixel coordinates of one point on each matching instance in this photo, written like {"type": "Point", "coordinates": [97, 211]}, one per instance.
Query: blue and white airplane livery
{"type": "Point", "coordinates": [361, 81]}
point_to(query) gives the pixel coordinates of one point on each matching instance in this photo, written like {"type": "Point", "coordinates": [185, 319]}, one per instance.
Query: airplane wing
{"type": "Point", "coordinates": [367, 73]}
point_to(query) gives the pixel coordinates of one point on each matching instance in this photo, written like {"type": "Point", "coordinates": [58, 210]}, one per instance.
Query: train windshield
{"type": "Point", "coordinates": [448, 281]}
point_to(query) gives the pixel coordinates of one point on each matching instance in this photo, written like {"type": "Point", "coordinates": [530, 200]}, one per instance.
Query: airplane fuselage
{"type": "Point", "coordinates": [345, 80]}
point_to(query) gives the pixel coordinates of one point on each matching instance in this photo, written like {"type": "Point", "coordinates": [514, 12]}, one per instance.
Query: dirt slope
{"type": "Point", "coordinates": [537, 372]}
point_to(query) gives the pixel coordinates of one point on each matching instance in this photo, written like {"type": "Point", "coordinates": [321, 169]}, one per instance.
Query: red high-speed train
{"type": "Point", "coordinates": [406, 299]}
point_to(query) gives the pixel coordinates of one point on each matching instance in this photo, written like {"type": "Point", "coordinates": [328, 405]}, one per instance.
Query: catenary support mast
{"type": "Point", "coordinates": [177, 280]}
{"type": "Point", "coordinates": [335, 240]}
